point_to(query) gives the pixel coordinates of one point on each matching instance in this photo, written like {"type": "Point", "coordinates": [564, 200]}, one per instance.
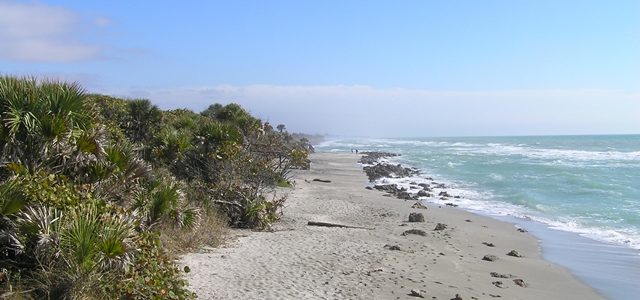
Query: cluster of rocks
{"type": "Point", "coordinates": [381, 170]}
{"type": "Point", "coordinates": [394, 189]}
{"type": "Point", "coordinates": [371, 158]}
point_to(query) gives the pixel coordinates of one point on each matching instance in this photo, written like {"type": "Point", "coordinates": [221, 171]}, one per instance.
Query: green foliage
{"type": "Point", "coordinates": [90, 185]}
{"type": "Point", "coordinates": [153, 276]}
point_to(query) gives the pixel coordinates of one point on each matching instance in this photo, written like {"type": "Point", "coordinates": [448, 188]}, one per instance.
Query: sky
{"type": "Point", "coordinates": [349, 68]}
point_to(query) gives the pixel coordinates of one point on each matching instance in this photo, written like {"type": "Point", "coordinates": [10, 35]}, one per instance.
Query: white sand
{"type": "Point", "coordinates": [304, 262]}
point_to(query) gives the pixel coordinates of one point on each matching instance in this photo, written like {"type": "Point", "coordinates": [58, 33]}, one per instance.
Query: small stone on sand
{"type": "Point", "coordinates": [416, 217]}
{"type": "Point", "coordinates": [415, 231]}
{"type": "Point", "coordinates": [520, 282]}
{"type": "Point", "coordinates": [514, 253]}
{"type": "Point", "coordinates": [440, 226]}
{"type": "Point", "coordinates": [417, 293]}
{"type": "Point", "coordinates": [490, 257]}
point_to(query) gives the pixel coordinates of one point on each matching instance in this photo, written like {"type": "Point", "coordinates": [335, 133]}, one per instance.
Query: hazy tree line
{"type": "Point", "coordinates": [97, 193]}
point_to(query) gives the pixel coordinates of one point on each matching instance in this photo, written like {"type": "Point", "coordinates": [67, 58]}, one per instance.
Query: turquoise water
{"type": "Point", "coordinates": [589, 185]}
{"type": "Point", "coordinates": [580, 195]}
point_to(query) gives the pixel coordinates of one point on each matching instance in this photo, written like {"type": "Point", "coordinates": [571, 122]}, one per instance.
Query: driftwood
{"type": "Point", "coordinates": [322, 180]}
{"type": "Point", "coordinates": [325, 224]}
{"type": "Point", "coordinates": [228, 203]}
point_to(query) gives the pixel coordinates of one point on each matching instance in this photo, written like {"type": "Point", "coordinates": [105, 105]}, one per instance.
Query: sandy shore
{"type": "Point", "coordinates": [297, 261]}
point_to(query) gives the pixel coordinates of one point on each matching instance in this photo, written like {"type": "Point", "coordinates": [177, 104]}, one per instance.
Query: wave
{"type": "Point", "coordinates": [557, 155]}
{"type": "Point", "coordinates": [485, 203]}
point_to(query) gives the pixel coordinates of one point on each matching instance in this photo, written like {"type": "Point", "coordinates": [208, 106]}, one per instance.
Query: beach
{"type": "Point", "coordinates": [381, 258]}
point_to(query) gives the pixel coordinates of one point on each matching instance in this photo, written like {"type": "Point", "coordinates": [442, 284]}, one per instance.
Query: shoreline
{"type": "Point", "coordinates": [606, 267]}
{"type": "Point", "coordinates": [299, 261]}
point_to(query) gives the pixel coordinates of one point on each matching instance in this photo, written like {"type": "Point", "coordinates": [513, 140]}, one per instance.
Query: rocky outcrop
{"type": "Point", "coordinates": [370, 158]}
{"type": "Point", "coordinates": [383, 170]}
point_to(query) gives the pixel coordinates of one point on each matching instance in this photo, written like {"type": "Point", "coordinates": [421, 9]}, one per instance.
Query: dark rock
{"type": "Point", "coordinates": [423, 185]}
{"type": "Point", "coordinates": [456, 197]}
{"type": "Point", "coordinates": [415, 231]}
{"type": "Point", "coordinates": [440, 226]}
{"type": "Point", "coordinates": [413, 183]}
{"type": "Point", "coordinates": [522, 230]}
{"type": "Point", "coordinates": [457, 297]}
{"type": "Point", "coordinates": [498, 284]}
{"type": "Point", "coordinates": [422, 193]}
{"type": "Point", "coordinates": [392, 247]}
{"type": "Point", "coordinates": [514, 253]}
{"type": "Point", "coordinates": [372, 157]}
{"type": "Point", "coordinates": [490, 257]}
{"type": "Point", "coordinates": [520, 282]}
{"type": "Point", "coordinates": [498, 275]}
{"type": "Point", "coordinates": [382, 170]}
{"type": "Point", "coordinates": [451, 204]}
{"type": "Point", "coordinates": [488, 244]}
{"type": "Point", "coordinates": [416, 217]}
{"type": "Point", "coordinates": [369, 188]}
{"type": "Point", "coordinates": [444, 194]}
{"type": "Point", "coordinates": [405, 196]}
{"type": "Point", "coordinates": [467, 220]}
{"type": "Point", "coordinates": [418, 293]}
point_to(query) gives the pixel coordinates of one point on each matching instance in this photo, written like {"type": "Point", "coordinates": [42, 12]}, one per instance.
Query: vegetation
{"type": "Point", "coordinates": [98, 193]}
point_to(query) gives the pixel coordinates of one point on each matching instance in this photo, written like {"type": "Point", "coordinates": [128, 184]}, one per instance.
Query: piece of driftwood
{"type": "Point", "coordinates": [325, 224]}
{"type": "Point", "coordinates": [322, 180]}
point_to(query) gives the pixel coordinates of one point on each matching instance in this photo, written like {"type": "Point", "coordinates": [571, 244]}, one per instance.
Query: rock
{"type": "Point", "coordinates": [418, 205]}
{"type": "Point", "coordinates": [392, 247]}
{"type": "Point", "coordinates": [422, 193]}
{"type": "Point", "coordinates": [444, 194]}
{"type": "Point", "coordinates": [457, 297]}
{"type": "Point", "coordinates": [416, 217]}
{"type": "Point", "coordinates": [381, 170]}
{"type": "Point", "coordinates": [418, 293]}
{"type": "Point", "coordinates": [372, 157]}
{"type": "Point", "coordinates": [415, 231]}
{"type": "Point", "coordinates": [490, 257]}
{"type": "Point", "coordinates": [514, 253]}
{"type": "Point", "coordinates": [488, 244]}
{"type": "Point", "coordinates": [498, 275]}
{"type": "Point", "coordinates": [522, 230]}
{"type": "Point", "coordinates": [423, 185]}
{"type": "Point", "coordinates": [456, 197]}
{"type": "Point", "coordinates": [520, 282]}
{"type": "Point", "coordinates": [369, 188]}
{"type": "Point", "coordinates": [451, 204]}
{"type": "Point", "coordinates": [413, 183]}
{"type": "Point", "coordinates": [440, 226]}
{"type": "Point", "coordinates": [498, 284]}
{"type": "Point", "coordinates": [468, 221]}
{"type": "Point", "coordinates": [405, 196]}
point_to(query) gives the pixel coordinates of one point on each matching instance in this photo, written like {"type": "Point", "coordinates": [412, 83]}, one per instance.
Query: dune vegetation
{"type": "Point", "coordinates": [98, 194]}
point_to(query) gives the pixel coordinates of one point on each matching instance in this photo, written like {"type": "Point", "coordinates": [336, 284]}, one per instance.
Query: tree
{"type": "Point", "coordinates": [280, 127]}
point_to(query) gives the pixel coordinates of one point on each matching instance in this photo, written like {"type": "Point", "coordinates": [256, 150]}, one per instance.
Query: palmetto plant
{"type": "Point", "coordinates": [164, 203]}
{"type": "Point", "coordinates": [39, 119]}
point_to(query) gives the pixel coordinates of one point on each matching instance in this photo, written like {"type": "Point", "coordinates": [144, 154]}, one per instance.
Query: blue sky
{"type": "Point", "coordinates": [374, 68]}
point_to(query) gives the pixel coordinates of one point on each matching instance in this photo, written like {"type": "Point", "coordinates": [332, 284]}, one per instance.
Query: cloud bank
{"type": "Point", "coordinates": [35, 32]}
{"type": "Point", "coordinates": [369, 111]}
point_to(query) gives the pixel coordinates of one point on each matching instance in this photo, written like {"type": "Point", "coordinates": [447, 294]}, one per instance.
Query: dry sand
{"type": "Point", "coordinates": [297, 261]}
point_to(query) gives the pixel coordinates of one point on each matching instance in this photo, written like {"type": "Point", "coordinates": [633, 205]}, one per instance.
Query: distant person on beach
{"type": "Point", "coordinates": [351, 150]}
{"type": "Point", "coordinates": [356, 151]}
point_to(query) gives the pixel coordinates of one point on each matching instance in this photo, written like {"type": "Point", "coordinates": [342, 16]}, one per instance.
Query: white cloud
{"type": "Point", "coordinates": [42, 33]}
{"type": "Point", "coordinates": [365, 110]}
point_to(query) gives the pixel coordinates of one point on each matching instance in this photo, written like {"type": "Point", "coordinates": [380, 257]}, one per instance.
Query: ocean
{"type": "Point", "coordinates": [585, 189]}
